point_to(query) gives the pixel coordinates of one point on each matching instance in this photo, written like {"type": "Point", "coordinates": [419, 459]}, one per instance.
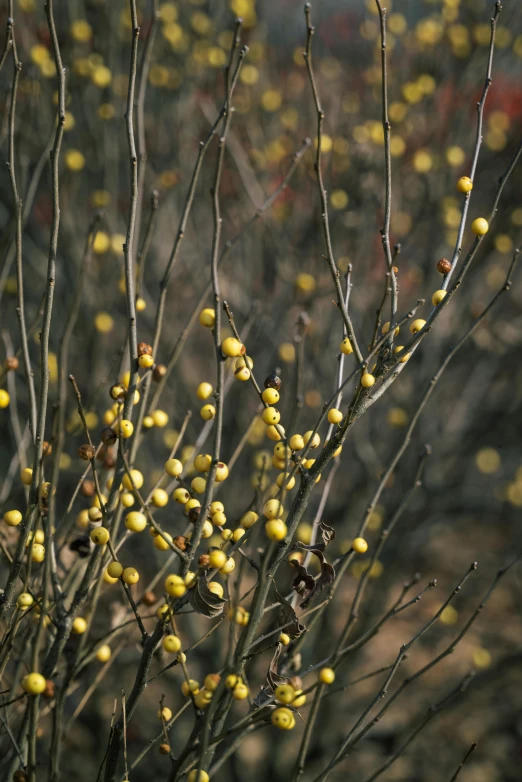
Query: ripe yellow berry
{"type": "Point", "coordinates": [202, 699]}
{"type": "Point", "coordinates": [204, 390]}
{"type": "Point", "coordinates": [130, 575]}
{"type": "Point", "coordinates": [240, 692]}
{"type": "Point", "coordinates": [219, 519]}
{"type": "Point", "coordinates": [327, 675]}
{"type": "Point", "coordinates": [198, 485]}
{"type": "Point", "coordinates": [115, 569]}
{"type": "Point", "coordinates": [367, 380]}
{"type": "Point", "coordinates": [228, 567]}
{"type": "Point", "coordinates": [100, 536]}
{"type": "Point", "coordinates": [108, 578]}
{"type": "Point", "coordinates": [285, 693]}
{"type": "Point", "coordinates": [160, 418]}
{"type": "Point", "coordinates": [217, 558]}
{"type": "Point", "coordinates": [271, 416]}
{"type": "Point", "coordinates": [141, 304]}
{"type": "Point", "coordinates": [232, 347]}
{"type": "Point", "coordinates": [198, 776]}
{"type": "Point", "coordinates": [296, 442]}
{"type": "Point", "coordinates": [4, 398]}
{"type": "Point", "coordinates": [221, 472]}
{"type": "Point", "coordinates": [135, 521]}
{"type": "Point", "coordinates": [161, 541]}
{"type": "Point", "coordinates": [190, 579]}
{"type": "Point", "coordinates": [276, 529]}
{"type": "Point", "coordinates": [207, 412]}
{"type": "Point", "coordinates": [37, 552]}
{"type": "Point", "coordinates": [191, 503]}
{"type": "Point", "coordinates": [281, 451]}
{"type": "Point", "coordinates": [175, 586]}
{"type": "Point", "coordinates": [284, 478]}
{"type": "Point", "coordinates": [133, 479]}
{"type": "Point", "coordinates": [270, 396]}
{"type": "Point", "coordinates": [159, 498]}
{"type": "Point", "coordinates": [464, 184]}
{"type": "Point", "coordinates": [273, 509]}
{"type": "Point", "coordinates": [359, 545]}
{"type": "Point", "coordinates": [180, 495]}
{"type": "Point", "coordinates": [299, 700]}
{"type": "Point", "coordinates": [171, 644]}
{"type": "Point", "coordinates": [386, 327]}
{"type": "Point", "coordinates": [12, 518]}
{"type": "Point", "coordinates": [126, 428]}
{"type": "Point", "coordinates": [163, 611]}
{"type": "Point", "coordinates": [480, 226]}
{"type": "Point", "coordinates": [249, 519]}
{"type": "Point", "coordinates": [274, 433]}
{"type": "Point", "coordinates": [173, 467]}
{"type": "Point", "coordinates": [282, 718]}
{"type": "Point", "coordinates": [284, 639]}
{"type": "Point", "coordinates": [334, 416]}
{"type": "Point", "coordinates": [216, 507]}
{"type": "Point", "coordinates": [417, 325]}
{"type": "Point", "coordinates": [202, 462]}
{"type": "Point", "coordinates": [437, 297]}
{"type": "Point", "coordinates": [24, 600]}
{"type": "Point", "coordinates": [127, 499]}
{"type": "Point", "coordinates": [207, 317]}
{"type": "Point", "coordinates": [104, 653]}
{"type": "Point", "coordinates": [216, 588]}
{"type": "Point", "coordinates": [34, 683]}
{"type": "Point", "coordinates": [164, 714]}
{"type": "Point", "coordinates": [315, 440]}
{"type": "Point", "coordinates": [406, 356]}
{"type": "Point", "coordinates": [146, 361]}
{"type": "Point", "coordinates": [26, 476]}
{"type": "Point", "coordinates": [189, 686]}
{"type": "Point", "coordinates": [243, 374]}
{"type": "Point", "coordinates": [346, 347]}
{"type": "Point", "coordinates": [237, 534]}
{"type": "Point", "coordinates": [212, 681]}
{"type": "Point", "coordinates": [79, 626]}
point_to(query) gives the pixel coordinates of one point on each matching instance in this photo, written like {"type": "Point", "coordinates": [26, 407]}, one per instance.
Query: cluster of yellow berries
{"type": "Point", "coordinates": [115, 571]}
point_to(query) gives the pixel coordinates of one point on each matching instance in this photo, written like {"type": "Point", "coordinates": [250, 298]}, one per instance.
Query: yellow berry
{"type": "Point", "coordinates": [480, 226]}
{"type": "Point", "coordinates": [180, 495]}
{"type": "Point", "coordinates": [207, 317]}
{"type": "Point", "coordinates": [221, 472]}
{"type": "Point", "coordinates": [315, 440]}
{"type": "Point", "coordinates": [127, 499]}
{"type": "Point", "coordinates": [146, 361]}
{"type": "Point", "coordinates": [34, 683]}
{"type": "Point", "coordinates": [243, 374]}
{"type": "Point", "coordinates": [232, 347]}
{"type": "Point", "coordinates": [202, 462]}
{"type": "Point", "coordinates": [270, 396]}
{"type": "Point", "coordinates": [274, 433]}
{"type": "Point", "coordinates": [115, 569]}
{"type": "Point", "coordinates": [360, 545]}
{"type": "Point", "coordinates": [299, 700]}
{"type": "Point", "coordinates": [104, 653]}
{"type": "Point", "coordinates": [126, 428]}
{"type": "Point", "coordinates": [417, 325]}
{"type": "Point", "coordinates": [160, 418]}
{"type": "Point", "coordinates": [79, 626]}
{"type": "Point", "coordinates": [204, 390]}
{"type": "Point", "coordinates": [4, 398]}
{"type": "Point", "coordinates": [190, 686]}
{"type": "Point", "coordinates": [282, 718]}
{"type": "Point", "coordinates": [464, 184]}
{"type": "Point", "coordinates": [212, 681]}
{"type": "Point", "coordinates": [284, 639]}
{"type": "Point", "coordinates": [198, 776]}
{"type": "Point", "coordinates": [135, 521]}
{"type": "Point", "coordinates": [237, 534]}
{"type": "Point", "coordinates": [228, 567]}
{"type": "Point", "coordinates": [24, 600]}
{"type": "Point", "coordinates": [171, 644]}
{"type": "Point", "coordinates": [219, 519]}
{"type": "Point", "coordinates": [346, 347]}
{"type": "Point", "coordinates": [217, 558]}
{"type": "Point", "coordinates": [276, 529]}
{"type": "Point", "coordinates": [285, 693]}
{"type": "Point", "coordinates": [271, 416]}
{"type": "Point", "coordinates": [216, 507]}
{"type": "Point", "coordinates": [26, 476]}
{"type": "Point", "coordinates": [130, 575]}
{"type": "Point", "coordinates": [334, 416]}
{"type": "Point", "coordinates": [284, 478]}
{"type": "Point", "coordinates": [248, 519]}
{"type": "Point", "coordinates": [207, 412]}
{"type": "Point", "coordinates": [437, 297]}
{"type": "Point", "coordinates": [12, 518]}
{"type": "Point", "coordinates": [244, 361]}
{"type": "Point", "coordinates": [367, 380]}
{"type": "Point", "coordinates": [191, 503]}
{"type": "Point", "coordinates": [327, 675]}
{"type": "Point", "coordinates": [175, 586]}
{"type": "Point", "coordinates": [273, 509]}
{"type": "Point", "coordinates": [386, 327]}
{"type": "Point", "coordinates": [173, 467]}
{"type": "Point", "coordinates": [164, 714]}
{"type": "Point", "coordinates": [100, 536]}
{"type": "Point", "coordinates": [162, 541]}
{"type": "Point", "coordinates": [406, 356]}
{"type": "Point", "coordinates": [198, 485]}
{"type": "Point", "coordinates": [159, 498]}
{"type": "Point", "coordinates": [240, 692]}
{"type": "Point", "coordinates": [37, 552]}
{"type": "Point", "coordinates": [296, 442]}
{"type": "Point", "coordinates": [216, 588]}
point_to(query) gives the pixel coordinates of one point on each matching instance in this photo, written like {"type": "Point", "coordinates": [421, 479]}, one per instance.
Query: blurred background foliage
{"type": "Point", "coordinates": [469, 507]}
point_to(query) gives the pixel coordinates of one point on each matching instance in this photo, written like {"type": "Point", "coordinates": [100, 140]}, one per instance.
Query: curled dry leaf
{"type": "Point", "coordinates": [204, 601]}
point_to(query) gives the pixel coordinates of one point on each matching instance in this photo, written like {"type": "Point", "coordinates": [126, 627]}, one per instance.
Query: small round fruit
{"type": "Point", "coordinates": [207, 317]}
{"type": "Point", "coordinates": [4, 398]}
{"type": "Point", "coordinates": [272, 509]}
{"type": "Point", "coordinates": [198, 485]}
{"type": "Point", "coordinates": [296, 442]}
{"type": "Point", "coordinates": [204, 390]}
{"type": "Point", "coordinates": [164, 714]}
{"type": "Point", "coordinates": [285, 693]}
{"type": "Point", "coordinates": [26, 476]}
{"type": "Point", "coordinates": [207, 412]}
{"type": "Point", "coordinates": [37, 552]}
{"type": "Point", "coordinates": [12, 518]}
{"type": "Point", "coordinates": [216, 507]}
{"type": "Point", "coordinates": [367, 380]}
{"type": "Point", "coordinates": [115, 569]}
{"type": "Point", "coordinates": [284, 639]}
{"type": "Point", "coordinates": [346, 347]}
{"type": "Point", "coordinates": [24, 600]}
{"type": "Point", "coordinates": [216, 588]}
{"type": "Point", "coordinates": [217, 558]}
{"type": "Point", "coordinates": [126, 428]}
{"type": "Point", "coordinates": [145, 361]}
{"type": "Point", "coordinates": [160, 418]}
{"type": "Point", "coordinates": [240, 692]}
{"type": "Point", "coordinates": [202, 699]}
{"type": "Point", "coordinates": [219, 519]}
{"type": "Point", "coordinates": [299, 700]}
{"type": "Point", "coordinates": [171, 644]}
{"type": "Point", "coordinates": [270, 396]}
{"type": "Point", "coordinates": [480, 226]}
{"type": "Point", "coordinates": [228, 567]}
{"type": "Point", "coordinates": [314, 438]}
{"type": "Point", "coordinates": [79, 626]}
{"type": "Point", "coordinates": [104, 653]}
{"type": "Point", "coordinates": [203, 462]}
{"type": "Point", "coordinates": [100, 536]}
{"type": "Point", "coordinates": [286, 479]}
{"type": "Point", "coordinates": [232, 347]}
{"type": "Point", "coordinates": [162, 541]}
{"type": "Point", "coordinates": [335, 416]}
{"type": "Point", "coordinates": [359, 545]}
{"type": "Point", "coordinates": [464, 184]}
{"type": "Point", "coordinates": [244, 361]}
{"type": "Point", "coordinates": [417, 325]}
{"type": "Point", "coordinates": [135, 521]}
{"type": "Point", "coordinates": [180, 495]}
{"type": "Point", "coordinates": [130, 575]}
{"type": "Point", "coordinates": [127, 499]}
{"type": "Point", "coordinates": [173, 467]}
{"type": "Point", "coordinates": [327, 675]}
{"type": "Point", "coordinates": [271, 416]}
{"type": "Point", "coordinates": [212, 681]}
{"type": "Point", "coordinates": [198, 776]}
{"type": "Point", "coordinates": [248, 519]}
{"type": "Point", "coordinates": [243, 374]}
{"type": "Point", "coordinates": [221, 472]}
{"type": "Point", "coordinates": [34, 683]}
{"type": "Point", "coordinates": [437, 297]}
{"type": "Point", "coordinates": [108, 579]}
{"type": "Point", "coordinates": [282, 718]}
{"type": "Point", "coordinates": [175, 585]}
{"type": "Point", "coordinates": [189, 686]}
{"type": "Point", "coordinates": [276, 529]}
{"type": "Point", "coordinates": [159, 498]}
{"type": "Point", "coordinates": [132, 480]}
